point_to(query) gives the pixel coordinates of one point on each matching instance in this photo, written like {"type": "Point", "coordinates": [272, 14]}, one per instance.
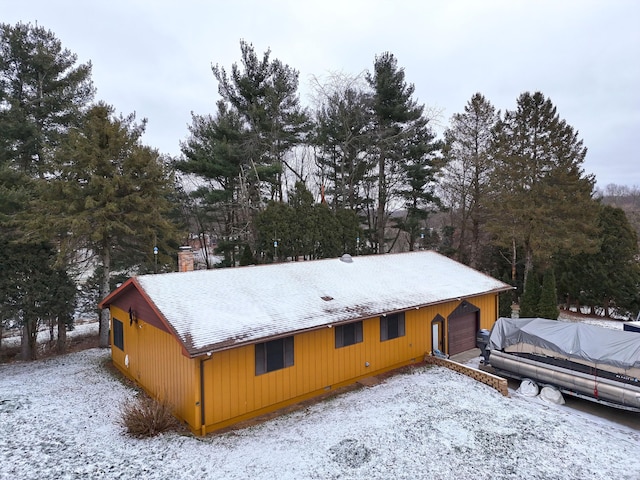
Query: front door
{"type": "Point", "coordinates": [437, 334]}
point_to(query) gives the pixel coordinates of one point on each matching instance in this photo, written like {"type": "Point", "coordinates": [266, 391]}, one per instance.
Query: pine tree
{"type": "Point", "coordinates": [610, 277]}
{"type": "Point", "coordinates": [43, 93]}
{"type": "Point", "coordinates": [264, 93]}
{"type": "Point", "coordinates": [34, 292]}
{"type": "Point", "coordinates": [395, 114]}
{"type": "Point", "coordinates": [247, 257]}
{"type": "Point", "coordinates": [214, 152]}
{"type": "Point", "coordinates": [342, 137]}
{"type": "Point", "coordinates": [505, 300]}
{"type": "Point", "coordinates": [418, 191]}
{"type": "Point", "coordinates": [548, 303]}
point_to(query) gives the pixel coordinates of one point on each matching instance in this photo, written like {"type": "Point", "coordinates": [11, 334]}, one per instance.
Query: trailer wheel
{"type": "Point", "coordinates": [552, 394]}
{"type": "Point", "coordinates": [528, 388]}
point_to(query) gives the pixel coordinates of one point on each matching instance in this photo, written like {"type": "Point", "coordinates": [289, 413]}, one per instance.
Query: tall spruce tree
{"type": "Point", "coordinates": [34, 292]}
{"type": "Point", "coordinates": [220, 207]}
{"type": "Point", "coordinates": [541, 199]}
{"type": "Point", "coordinates": [615, 269]}
{"type": "Point", "coordinates": [110, 197]}
{"type": "Point", "coordinates": [610, 277]}
{"type": "Point", "coordinates": [418, 189]}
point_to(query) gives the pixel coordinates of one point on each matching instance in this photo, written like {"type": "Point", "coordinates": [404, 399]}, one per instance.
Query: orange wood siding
{"type": "Point", "coordinates": [156, 363]}
{"type": "Point", "coordinates": [233, 392]}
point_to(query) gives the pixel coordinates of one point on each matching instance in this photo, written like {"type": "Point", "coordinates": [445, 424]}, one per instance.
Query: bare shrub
{"type": "Point", "coordinates": [146, 417]}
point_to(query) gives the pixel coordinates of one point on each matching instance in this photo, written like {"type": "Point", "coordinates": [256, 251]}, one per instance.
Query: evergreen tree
{"type": "Point", "coordinates": [350, 232]}
{"type": "Point", "coordinates": [531, 296]}
{"type": "Point", "coordinates": [34, 292]}
{"type": "Point", "coordinates": [302, 229]}
{"type": "Point", "coordinates": [395, 116]}
{"type": "Point", "coordinates": [421, 164]}
{"type": "Point", "coordinates": [109, 198]}
{"type": "Point", "coordinates": [548, 303]}
{"type": "Point", "coordinates": [247, 257]}
{"type": "Point", "coordinates": [43, 92]}
{"type": "Point", "coordinates": [610, 277]}
{"type": "Point", "coordinates": [342, 138]}
{"type": "Point", "coordinates": [465, 182]}
{"type": "Point", "coordinates": [505, 300]}
{"type": "Point", "coordinates": [220, 207]}
{"type": "Point", "coordinates": [264, 92]}
{"type": "Point", "coordinates": [275, 241]}
{"type": "Point", "coordinates": [540, 199]}
{"type": "Point", "coordinates": [616, 268]}
{"type": "Point", "coordinates": [329, 233]}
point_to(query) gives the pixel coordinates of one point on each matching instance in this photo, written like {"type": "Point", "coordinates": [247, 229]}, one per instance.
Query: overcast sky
{"type": "Point", "coordinates": [154, 57]}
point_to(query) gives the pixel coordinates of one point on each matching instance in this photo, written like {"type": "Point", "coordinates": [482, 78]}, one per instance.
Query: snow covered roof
{"type": "Point", "coordinates": [215, 309]}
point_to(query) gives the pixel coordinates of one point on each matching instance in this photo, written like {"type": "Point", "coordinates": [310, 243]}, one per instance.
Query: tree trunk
{"type": "Point", "coordinates": [104, 291]}
{"type": "Point", "coordinates": [25, 345]}
{"type": "Point", "coordinates": [61, 344]}
{"type": "Point", "coordinates": [514, 252]}
{"type": "Point", "coordinates": [381, 204]}
{"type": "Point", "coordinates": [528, 261]}
{"type": "Point", "coordinates": [475, 243]}
{"type": "Point", "coordinates": [51, 335]}
{"type": "Point", "coordinates": [29, 341]}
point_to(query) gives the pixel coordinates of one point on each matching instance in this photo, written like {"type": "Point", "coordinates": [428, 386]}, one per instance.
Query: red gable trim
{"type": "Point", "coordinates": [130, 296]}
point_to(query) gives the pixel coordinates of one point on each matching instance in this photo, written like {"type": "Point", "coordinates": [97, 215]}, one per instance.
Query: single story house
{"type": "Point", "coordinates": [226, 345]}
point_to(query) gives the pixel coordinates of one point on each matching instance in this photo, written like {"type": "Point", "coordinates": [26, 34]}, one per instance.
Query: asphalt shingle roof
{"type": "Point", "coordinates": [220, 308]}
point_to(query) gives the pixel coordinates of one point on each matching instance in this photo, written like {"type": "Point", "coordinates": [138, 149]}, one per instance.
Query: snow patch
{"type": "Point", "coordinates": [60, 421]}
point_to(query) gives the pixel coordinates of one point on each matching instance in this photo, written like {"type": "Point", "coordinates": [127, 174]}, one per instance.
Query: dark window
{"type": "Point", "coordinates": [348, 334]}
{"type": "Point", "coordinates": [274, 355]}
{"type": "Point", "coordinates": [392, 326]}
{"type": "Point", "coordinates": [118, 334]}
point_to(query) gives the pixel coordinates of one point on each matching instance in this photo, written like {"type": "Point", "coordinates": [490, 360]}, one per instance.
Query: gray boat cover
{"type": "Point", "coordinates": [594, 344]}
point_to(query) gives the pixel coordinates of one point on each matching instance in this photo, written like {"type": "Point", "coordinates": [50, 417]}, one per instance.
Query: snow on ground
{"type": "Point", "coordinates": [569, 316]}
{"type": "Point", "coordinates": [59, 420]}
{"type": "Point", "coordinates": [81, 328]}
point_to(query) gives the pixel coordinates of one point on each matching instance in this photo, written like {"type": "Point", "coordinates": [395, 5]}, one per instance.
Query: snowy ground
{"type": "Point", "coordinates": [59, 420]}
{"type": "Point", "coordinates": [81, 328]}
{"type": "Point", "coordinates": [600, 322]}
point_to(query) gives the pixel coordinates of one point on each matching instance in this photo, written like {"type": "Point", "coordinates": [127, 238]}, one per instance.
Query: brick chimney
{"type": "Point", "coordinates": [185, 259]}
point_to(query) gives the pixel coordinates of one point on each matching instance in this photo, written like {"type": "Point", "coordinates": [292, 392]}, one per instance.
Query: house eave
{"type": "Point", "coordinates": [231, 344]}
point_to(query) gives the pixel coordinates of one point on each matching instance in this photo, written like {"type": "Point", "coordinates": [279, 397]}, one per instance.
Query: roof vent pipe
{"type": "Point", "coordinates": [346, 258]}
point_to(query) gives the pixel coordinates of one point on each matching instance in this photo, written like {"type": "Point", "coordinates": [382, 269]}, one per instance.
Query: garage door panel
{"type": "Point", "coordinates": [462, 333]}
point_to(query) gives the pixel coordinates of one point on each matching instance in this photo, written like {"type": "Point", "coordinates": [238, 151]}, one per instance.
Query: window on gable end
{"type": "Point", "coordinates": [118, 334]}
